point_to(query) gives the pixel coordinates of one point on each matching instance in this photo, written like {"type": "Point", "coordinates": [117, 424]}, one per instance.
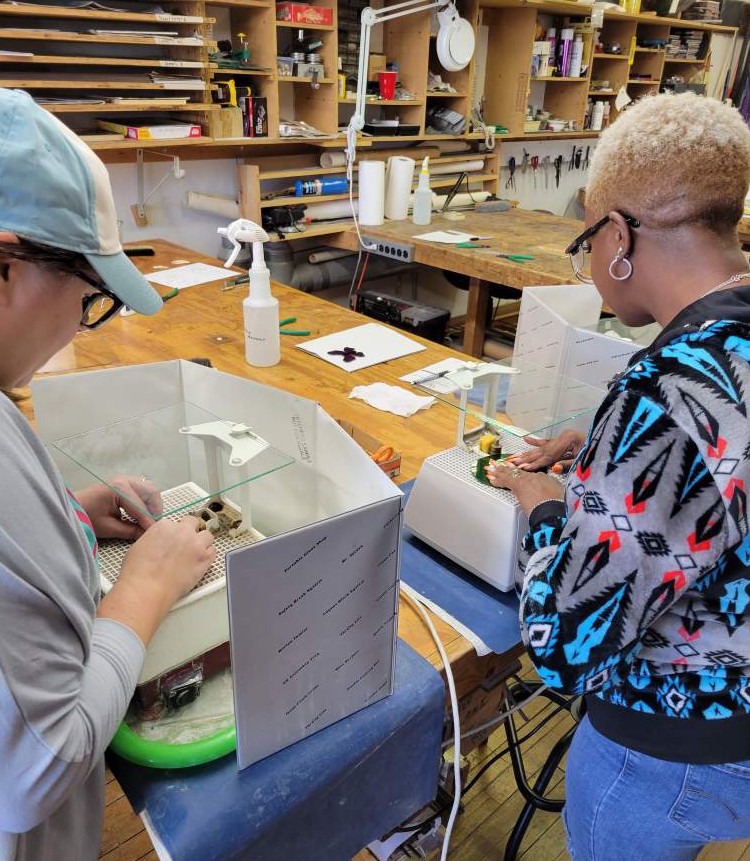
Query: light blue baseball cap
{"type": "Point", "coordinates": [55, 191]}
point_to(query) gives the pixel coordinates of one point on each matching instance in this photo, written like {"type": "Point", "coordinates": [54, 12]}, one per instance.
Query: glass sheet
{"type": "Point", "coordinates": [155, 447]}
{"type": "Point", "coordinates": [526, 400]}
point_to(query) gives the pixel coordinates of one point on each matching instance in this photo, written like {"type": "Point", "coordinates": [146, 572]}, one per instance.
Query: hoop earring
{"type": "Point", "coordinates": [618, 259]}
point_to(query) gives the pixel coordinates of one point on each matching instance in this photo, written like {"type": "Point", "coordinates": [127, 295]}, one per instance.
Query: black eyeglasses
{"type": "Point", "coordinates": [97, 307]}
{"type": "Point", "coordinates": [581, 246]}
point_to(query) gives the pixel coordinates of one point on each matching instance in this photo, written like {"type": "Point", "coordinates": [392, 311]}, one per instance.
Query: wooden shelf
{"type": "Point", "coordinates": [63, 36]}
{"type": "Point", "coordinates": [610, 57]}
{"type": "Point", "coordinates": [251, 73]}
{"type": "Point", "coordinates": [310, 198]}
{"type": "Point", "coordinates": [296, 26]}
{"type": "Point", "coordinates": [644, 82]}
{"type": "Point", "coordinates": [322, 228]}
{"type": "Point", "coordinates": [650, 50]}
{"type": "Point", "coordinates": [150, 144]}
{"type": "Point", "coordinates": [54, 59]}
{"type": "Point", "coordinates": [446, 95]}
{"type": "Point", "coordinates": [126, 109]}
{"type": "Point", "coordinates": [683, 60]}
{"type": "Point", "coordinates": [551, 80]}
{"type": "Point", "coordinates": [602, 92]}
{"type": "Point", "coordinates": [388, 103]}
{"type": "Point", "coordinates": [288, 79]}
{"type": "Point", "coordinates": [242, 4]}
{"type": "Point", "coordinates": [84, 82]}
{"type": "Point", "coordinates": [37, 11]}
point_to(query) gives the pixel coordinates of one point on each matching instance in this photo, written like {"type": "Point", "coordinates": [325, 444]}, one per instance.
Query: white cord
{"type": "Point", "coordinates": [501, 717]}
{"type": "Point", "coordinates": [454, 709]}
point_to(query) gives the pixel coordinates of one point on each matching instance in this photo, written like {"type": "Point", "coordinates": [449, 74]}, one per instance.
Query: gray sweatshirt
{"type": "Point", "coordinates": [65, 677]}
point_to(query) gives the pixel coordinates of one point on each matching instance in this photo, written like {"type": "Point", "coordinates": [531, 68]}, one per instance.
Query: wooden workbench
{"type": "Point", "coordinates": [515, 231]}
{"type": "Point", "coordinates": [206, 321]}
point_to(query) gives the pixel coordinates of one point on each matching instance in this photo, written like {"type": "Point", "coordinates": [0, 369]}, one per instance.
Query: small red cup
{"type": "Point", "coordinates": [387, 84]}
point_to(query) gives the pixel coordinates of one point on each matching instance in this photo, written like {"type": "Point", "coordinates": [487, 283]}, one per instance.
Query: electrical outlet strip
{"type": "Point", "coordinates": [386, 248]}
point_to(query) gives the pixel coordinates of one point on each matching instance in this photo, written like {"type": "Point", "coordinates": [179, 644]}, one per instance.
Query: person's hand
{"type": "Point", "coordinates": [164, 564]}
{"type": "Point", "coordinates": [104, 504]}
{"type": "Point", "coordinates": [174, 553]}
{"type": "Point", "coordinates": [547, 452]}
{"type": "Point", "coordinates": [529, 488]}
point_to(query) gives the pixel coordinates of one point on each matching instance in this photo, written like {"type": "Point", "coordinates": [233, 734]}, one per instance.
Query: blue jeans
{"type": "Point", "coordinates": [622, 805]}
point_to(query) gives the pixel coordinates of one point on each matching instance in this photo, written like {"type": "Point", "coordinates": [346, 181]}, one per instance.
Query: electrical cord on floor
{"type": "Point", "coordinates": [417, 826]}
{"type": "Point", "coordinates": [495, 756]}
{"type": "Point", "coordinates": [417, 604]}
{"type": "Point", "coordinates": [499, 718]}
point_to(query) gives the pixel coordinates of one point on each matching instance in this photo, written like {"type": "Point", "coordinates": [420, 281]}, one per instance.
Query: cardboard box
{"type": "Point", "coordinates": [313, 605]}
{"type": "Point", "coordinates": [303, 13]}
{"type": "Point", "coordinates": [156, 131]}
{"type": "Point", "coordinates": [392, 466]}
{"type": "Point", "coordinates": [259, 118]}
{"type": "Point", "coordinates": [375, 63]}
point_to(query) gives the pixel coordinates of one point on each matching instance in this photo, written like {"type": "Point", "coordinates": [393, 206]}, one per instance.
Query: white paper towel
{"type": "Point", "coordinates": [371, 192]}
{"type": "Point", "coordinates": [398, 178]}
{"type": "Point", "coordinates": [333, 159]}
{"type": "Point", "coordinates": [392, 399]}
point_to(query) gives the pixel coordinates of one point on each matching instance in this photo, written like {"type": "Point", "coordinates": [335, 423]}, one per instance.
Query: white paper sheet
{"type": "Point", "coordinates": [189, 275]}
{"type": "Point", "coordinates": [445, 237]}
{"type": "Point", "coordinates": [374, 342]}
{"type": "Point", "coordinates": [433, 376]}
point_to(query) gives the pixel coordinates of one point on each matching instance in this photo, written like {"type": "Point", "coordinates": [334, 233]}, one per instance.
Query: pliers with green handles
{"type": "Point", "coordinates": [516, 258]}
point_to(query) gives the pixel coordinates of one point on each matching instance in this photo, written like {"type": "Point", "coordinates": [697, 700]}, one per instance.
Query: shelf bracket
{"type": "Point", "coordinates": [138, 209]}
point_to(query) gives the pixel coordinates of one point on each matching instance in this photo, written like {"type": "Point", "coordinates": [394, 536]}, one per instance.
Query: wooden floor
{"type": "Point", "coordinates": [490, 810]}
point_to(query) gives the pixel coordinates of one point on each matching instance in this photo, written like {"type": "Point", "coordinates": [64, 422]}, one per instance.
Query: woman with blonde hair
{"type": "Point", "coordinates": [637, 573]}
{"type": "Point", "coordinates": [69, 659]}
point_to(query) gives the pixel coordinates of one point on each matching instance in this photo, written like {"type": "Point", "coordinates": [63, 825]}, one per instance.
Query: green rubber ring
{"type": "Point", "coordinates": [159, 754]}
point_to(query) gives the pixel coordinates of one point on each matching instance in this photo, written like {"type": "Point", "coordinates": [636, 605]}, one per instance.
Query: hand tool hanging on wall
{"type": "Point", "coordinates": [524, 161]}
{"type": "Point", "coordinates": [558, 169]}
{"type": "Point", "coordinates": [585, 164]}
{"type": "Point", "coordinates": [511, 181]}
{"type": "Point", "coordinates": [572, 162]}
{"type": "Point", "coordinates": [579, 153]}
{"type": "Point", "coordinates": [534, 166]}
{"type": "Point", "coordinates": [546, 165]}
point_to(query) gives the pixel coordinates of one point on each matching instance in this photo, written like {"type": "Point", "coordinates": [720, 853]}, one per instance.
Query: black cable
{"type": "Point", "coordinates": [490, 762]}
{"type": "Point", "coordinates": [354, 278]}
{"type": "Point", "coordinates": [446, 806]}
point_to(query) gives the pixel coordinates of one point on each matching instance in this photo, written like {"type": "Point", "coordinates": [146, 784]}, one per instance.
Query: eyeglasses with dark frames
{"type": "Point", "coordinates": [97, 307]}
{"type": "Point", "coordinates": [581, 246]}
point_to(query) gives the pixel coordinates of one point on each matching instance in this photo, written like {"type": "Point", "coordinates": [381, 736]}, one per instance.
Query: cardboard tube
{"type": "Point", "coordinates": [457, 167]}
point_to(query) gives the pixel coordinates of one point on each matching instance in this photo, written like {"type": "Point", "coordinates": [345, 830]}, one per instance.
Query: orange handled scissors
{"type": "Point", "coordinates": [383, 454]}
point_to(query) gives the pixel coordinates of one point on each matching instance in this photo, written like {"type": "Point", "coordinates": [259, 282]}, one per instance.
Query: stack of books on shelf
{"type": "Point", "coordinates": [685, 45]}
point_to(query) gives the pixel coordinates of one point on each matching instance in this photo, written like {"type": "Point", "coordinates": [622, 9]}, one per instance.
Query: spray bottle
{"type": "Point", "coordinates": [422, 211]}
{"type": "Point", "coordinates": [260, 308]}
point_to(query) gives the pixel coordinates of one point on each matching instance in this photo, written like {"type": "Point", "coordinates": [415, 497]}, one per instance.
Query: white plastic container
{"type": "Point", "coordinates": [597, 116]}
{"type": "Point", "coordinates": [576, 58]}
{"type": "Point", "coordinates": [261, 312]}
{"type": "Point", "coordinates": [422, 211]}
{"type": "Point", "coordinates": [260, 309]}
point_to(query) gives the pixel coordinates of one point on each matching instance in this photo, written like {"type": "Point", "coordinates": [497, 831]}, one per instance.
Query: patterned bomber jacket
{"type": "Point", "coordinates": [638, 588]}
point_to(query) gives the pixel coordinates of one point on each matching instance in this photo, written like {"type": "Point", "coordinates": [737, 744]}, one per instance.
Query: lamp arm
{"type": "Point", "coordinates": [369, 18]}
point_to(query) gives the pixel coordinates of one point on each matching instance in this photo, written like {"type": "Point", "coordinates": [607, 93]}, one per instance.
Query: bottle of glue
{"type": "Point", "coordinates": [260, 309]}
{"type": "Point", "coordinates": [422, 210]}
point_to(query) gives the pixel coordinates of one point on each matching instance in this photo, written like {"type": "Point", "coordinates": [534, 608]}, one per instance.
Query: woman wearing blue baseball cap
{"type": "Point", "coordinates": [69, 662]}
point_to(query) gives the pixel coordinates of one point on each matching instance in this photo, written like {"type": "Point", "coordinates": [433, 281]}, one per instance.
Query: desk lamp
{"type": "Point", "coordinates": [455, 48]}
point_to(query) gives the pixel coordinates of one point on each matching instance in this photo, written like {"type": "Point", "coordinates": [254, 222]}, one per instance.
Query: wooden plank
{"type": "Point", "coordinates": [248, 185]}
{"type": "Point", "coordinates": [29, 10]}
